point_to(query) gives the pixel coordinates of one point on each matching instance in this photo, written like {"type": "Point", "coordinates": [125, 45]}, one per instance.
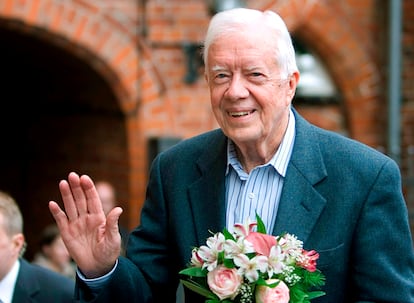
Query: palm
{"type": "Point", "coordinates": [92, 239]}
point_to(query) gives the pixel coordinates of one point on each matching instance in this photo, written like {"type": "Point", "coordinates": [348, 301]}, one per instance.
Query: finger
{"type": "Point", "coordinates": [68, 200]}
{"type": "Point", "coordinates": [112, 221]}
{"type": "Point", "coordinates": [94, 202]}
{"type": "Point", "coordinates": [59, 215]}
{"type": "Point", "coordinates": [79, 196]}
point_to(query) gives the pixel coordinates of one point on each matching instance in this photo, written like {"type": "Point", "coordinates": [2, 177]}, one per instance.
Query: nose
{"type": "Point", "coordinates": [237, 88]}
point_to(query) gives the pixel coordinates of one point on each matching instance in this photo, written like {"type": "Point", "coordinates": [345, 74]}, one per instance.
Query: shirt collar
{"type": "Point", "coordinates": [279, 160]}
{"type": "Point", "coordinates": [8, 283]}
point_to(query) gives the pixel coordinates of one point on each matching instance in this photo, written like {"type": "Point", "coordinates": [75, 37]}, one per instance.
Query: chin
{"type": "Point", "coordinates": [243, 136]}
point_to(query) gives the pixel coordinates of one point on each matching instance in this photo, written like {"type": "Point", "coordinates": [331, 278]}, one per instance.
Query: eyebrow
{"type": "Point", "coordinates": [217, 68]}
{"type": "Point", "coordinates": [220, 68]}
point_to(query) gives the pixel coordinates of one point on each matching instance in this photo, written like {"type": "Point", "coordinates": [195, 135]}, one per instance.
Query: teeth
{"type": "Point", "coordinates": [239, 114]}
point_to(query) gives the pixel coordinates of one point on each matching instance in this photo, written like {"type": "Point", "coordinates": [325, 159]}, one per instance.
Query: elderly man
{"type": "Point", "coordinates": [338, 196]}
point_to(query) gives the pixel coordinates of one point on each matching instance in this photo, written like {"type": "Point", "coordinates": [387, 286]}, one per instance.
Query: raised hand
{"type": "Point", "coordinates": [92, 239]}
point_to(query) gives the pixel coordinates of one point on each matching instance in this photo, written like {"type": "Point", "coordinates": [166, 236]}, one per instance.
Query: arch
{"type": "Point", "coordinates": [108, 46]}
{"type": "Point", "coordinates": [114, 50]}
{"type": "Point", "coordinates": [356, 76]}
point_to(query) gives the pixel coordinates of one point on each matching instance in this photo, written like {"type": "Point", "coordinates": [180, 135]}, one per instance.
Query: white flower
{"type": "Point", "coordinates": [290, 277]}
{"type": "Point", "coordinates": [233, 248]}
{"type": "Point", "coordinates": [196, 260]}
{"type": "Point", "coordinates": [250, 268]}
{"type": "Point", "coordinates": [210, 252]}
{"type": "Point", "coordinates": [242, 230]}
{"type": "Point", "coordinates": [276, 261]}
{"type": "Point", "coordinates": [291, 246]}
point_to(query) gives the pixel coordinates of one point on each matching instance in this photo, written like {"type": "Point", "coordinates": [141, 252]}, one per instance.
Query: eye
{"type": "Point", "coordinates": [220, 78]}
{"type": "Point", "coordinates": [257, 77]}
{"type": "Point", "coordinates": [256, 74]}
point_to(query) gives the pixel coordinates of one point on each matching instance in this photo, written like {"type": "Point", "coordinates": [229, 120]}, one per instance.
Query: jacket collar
{"type": "Point", "coordinates": [301, 204]}
{"type": "Point", "coordinates": [207, 194]}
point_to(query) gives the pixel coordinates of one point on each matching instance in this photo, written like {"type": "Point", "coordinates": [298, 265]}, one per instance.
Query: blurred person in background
{"type": "Point", "coordinates": [107, 194]}
{"type": "Point", "coordinates": [53, 253]}
{"type": "Point", "coordinates": [21, 281]}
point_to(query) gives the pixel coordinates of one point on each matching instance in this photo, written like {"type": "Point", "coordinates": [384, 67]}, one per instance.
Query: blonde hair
{"type": "Point", "coordinates": [12, 217]}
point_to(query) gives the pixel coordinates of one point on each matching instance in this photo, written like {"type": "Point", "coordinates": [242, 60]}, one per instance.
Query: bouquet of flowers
{"type": "Point", "coordinates": [248, 266]}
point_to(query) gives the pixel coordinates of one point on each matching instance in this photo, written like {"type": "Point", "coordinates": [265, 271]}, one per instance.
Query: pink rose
{"type": "Point", "coordinates": [277, 294]}
{"type": "Point", "coordinates": [224, 282]}
{"type": "Point", "coordinates": [262, 243]}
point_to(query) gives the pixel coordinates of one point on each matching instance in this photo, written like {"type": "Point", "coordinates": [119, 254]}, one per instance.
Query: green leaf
{"type": "Point", "coordinates": [228, 235]}
{"type": "Point", "coordinates": [313, 279]}
{"type": "Point", "coordinates": [261, 228]}
{"type": "Point", "coordinates": [315, 294]}
{"type": "Point", "coordinates": [229, 263]}
{"type": "Point", "coordinates": [251, 255]}
{"type": "Point", "coordinates": [194, 272]}
{"type": "Point", "coordinates": [197, 288]}
{"type": "Point", "coordinates": [297, 295]}
{"type": "Point", "coordinates": [220, 257]}
{"type": "Point", "coordinates": [263, 282]}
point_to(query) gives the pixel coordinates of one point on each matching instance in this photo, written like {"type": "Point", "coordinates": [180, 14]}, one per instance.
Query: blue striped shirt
{"type": "Point", "coordinates": [258, 192]}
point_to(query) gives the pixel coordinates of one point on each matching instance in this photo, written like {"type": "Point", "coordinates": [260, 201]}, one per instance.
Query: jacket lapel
{"type": "Point", "coordinates": [207, 194]}
{"type": "Point", "coordinates": [26, 287]}
{"type": "Point", "coordinates": [301, 205]}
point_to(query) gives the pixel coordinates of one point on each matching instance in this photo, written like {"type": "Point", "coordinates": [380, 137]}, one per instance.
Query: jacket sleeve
{"type": "Point", "coordinates": [382, 262]}
{"type": "Point", "coordinates": [126, 284]}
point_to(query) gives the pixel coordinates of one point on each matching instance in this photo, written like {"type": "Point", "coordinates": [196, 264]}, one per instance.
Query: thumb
{"type": "Point", "coordinates": [112, 221]}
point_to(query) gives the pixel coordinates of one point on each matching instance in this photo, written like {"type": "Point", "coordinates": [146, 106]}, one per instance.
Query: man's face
{"type": "Point", "coordinates": [9, 249]}
{"type": "Point", "coordinates": [249, 97]}
{"type": "Point", "coordinates": [57, 252]}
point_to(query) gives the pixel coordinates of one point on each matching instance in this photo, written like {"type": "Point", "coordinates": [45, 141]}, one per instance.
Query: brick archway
{"type": "Point", "coordinates": [108, 46]}
{"type": "Point", "coordinates": [84, 35]}
{"type": "Point", "coordinates": [117, 55]}
{"type": "Point", "coordinates": [356, 76]}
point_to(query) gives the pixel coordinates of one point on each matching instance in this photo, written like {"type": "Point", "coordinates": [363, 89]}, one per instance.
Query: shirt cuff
{"type": "Point", "coordinates": [96, 284]}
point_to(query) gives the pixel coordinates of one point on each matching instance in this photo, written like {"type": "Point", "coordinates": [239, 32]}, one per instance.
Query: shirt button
{"type": "Point", "coordinates": [251, 195]}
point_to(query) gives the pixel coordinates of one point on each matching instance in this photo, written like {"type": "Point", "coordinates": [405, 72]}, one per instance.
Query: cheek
{"type": "Point", "coordinates": [276, 107]}
{"type": "Point", "coordinates": [8, 253]}
{"type": "Point", "coordinates": [215, 96]}
{"type": "Point", "coordinates": [62, 252]}
{"type": "Point", "coordinates": [58, 251]}
{"type": "Point", "coordinates": [215, 101]}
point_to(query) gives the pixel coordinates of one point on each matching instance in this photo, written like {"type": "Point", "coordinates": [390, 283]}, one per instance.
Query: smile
{"type": "Point", "coordinates": [240, 114]}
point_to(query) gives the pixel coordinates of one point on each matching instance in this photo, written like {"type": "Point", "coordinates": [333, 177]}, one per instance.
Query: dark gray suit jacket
{"type": "Point", "coordinates": [40, 285]}
{"type": "Point", "coordinates": [340, 197]}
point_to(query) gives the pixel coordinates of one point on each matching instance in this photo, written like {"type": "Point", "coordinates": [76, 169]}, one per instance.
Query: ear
{"type": "Point", "coordinates": [293, 83]}
{"type": "Point", "coordinates": [18, 244]}
{"type": "Point", "coordinates": [206, 76]}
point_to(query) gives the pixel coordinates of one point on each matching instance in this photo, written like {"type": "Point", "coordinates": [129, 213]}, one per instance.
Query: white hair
{"type": "Point", "coordinates": [231, 21]}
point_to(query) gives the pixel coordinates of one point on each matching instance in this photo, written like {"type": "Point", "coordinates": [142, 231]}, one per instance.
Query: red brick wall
{"type": "Point", "coordinates": [407, 148]}
{"type": "Point", "coordinates": [135, 47]}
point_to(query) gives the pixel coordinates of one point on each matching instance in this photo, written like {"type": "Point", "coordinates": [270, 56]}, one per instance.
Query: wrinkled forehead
{"type": "Point", "coordinates": [250, 32]}
{"type": "Point", "coordinates": [241, 49]}
{"type": "Point", "coordinates": [243, 38]}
